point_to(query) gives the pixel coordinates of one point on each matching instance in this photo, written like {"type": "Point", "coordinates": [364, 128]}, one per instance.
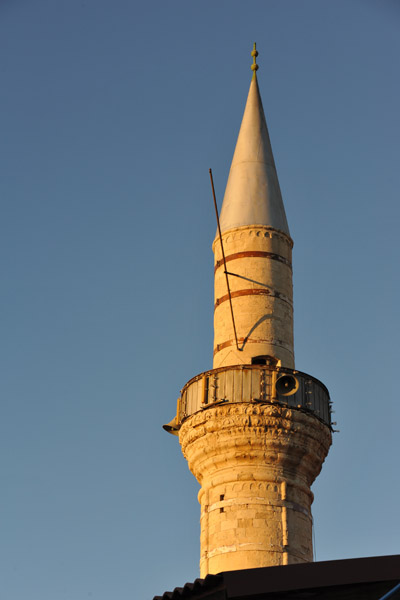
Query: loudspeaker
{"type": "Point", "coordinates": [286, 385]}
{"type": "Point", "coordinates": [172, 427]}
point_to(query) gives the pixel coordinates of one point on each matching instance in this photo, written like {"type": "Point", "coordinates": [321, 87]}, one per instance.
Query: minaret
{"type": "Point", "coordinates": [254, 430]}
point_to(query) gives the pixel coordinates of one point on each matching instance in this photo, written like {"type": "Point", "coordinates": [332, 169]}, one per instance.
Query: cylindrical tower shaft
{"type": "Point", "coordinates": [255, 464]}
{"type": "Point", "coordinates": [259, 263]}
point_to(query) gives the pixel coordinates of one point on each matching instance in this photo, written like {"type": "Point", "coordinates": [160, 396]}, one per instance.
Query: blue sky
{"type": "Point", "coordinates": [111, 115]}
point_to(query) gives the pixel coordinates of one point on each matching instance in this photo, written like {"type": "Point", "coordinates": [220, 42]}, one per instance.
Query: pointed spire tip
{"type": "Point", "coordinates": [252, 194]}
{"type": "Point", "coordinates": [254, 66]}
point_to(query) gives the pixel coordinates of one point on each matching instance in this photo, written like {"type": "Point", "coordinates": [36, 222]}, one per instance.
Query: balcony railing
{"type": "Point", "coordinates": [256, 383]}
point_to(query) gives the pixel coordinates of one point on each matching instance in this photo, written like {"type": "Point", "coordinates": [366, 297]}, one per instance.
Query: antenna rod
{"type": "Point", "coordinates": [223, 257]}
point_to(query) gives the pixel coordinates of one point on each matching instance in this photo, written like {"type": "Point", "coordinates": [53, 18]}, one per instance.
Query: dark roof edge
{"type": "Point", "coordinates": [190, 588]}
{"type": "Point", "coordinates": [311, 575]}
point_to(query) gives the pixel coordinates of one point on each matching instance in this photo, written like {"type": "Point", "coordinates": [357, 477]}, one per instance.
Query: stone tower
{"type": "Point", "coordinates": [254, 431]}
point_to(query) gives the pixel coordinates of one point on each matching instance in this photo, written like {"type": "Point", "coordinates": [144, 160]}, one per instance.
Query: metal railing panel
{"type": "Point", "coordinates": [254, 383]}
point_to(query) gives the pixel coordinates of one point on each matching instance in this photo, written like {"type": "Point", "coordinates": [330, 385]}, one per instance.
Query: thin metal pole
{"type": "Point", "coordinates": [391, 593]}
{"type": "Point", "coordinates": [223, 257]}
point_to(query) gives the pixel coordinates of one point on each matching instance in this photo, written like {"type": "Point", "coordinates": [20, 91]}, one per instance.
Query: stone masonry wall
{"type": "Point", "coordinates": [255, 464]}
{"type": "Point", "coordinates": [262, 296]}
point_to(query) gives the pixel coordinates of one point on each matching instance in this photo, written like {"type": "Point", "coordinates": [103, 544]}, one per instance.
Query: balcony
{"type": "Point", "coordinates": [255, 383]}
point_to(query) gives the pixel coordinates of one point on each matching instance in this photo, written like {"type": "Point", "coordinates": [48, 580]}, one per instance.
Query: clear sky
{"type": "Point", "coordinates": [111, 114]}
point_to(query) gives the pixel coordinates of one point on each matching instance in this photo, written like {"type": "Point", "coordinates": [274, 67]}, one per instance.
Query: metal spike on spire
{"type": "Point", "coordinates": [254, 66]}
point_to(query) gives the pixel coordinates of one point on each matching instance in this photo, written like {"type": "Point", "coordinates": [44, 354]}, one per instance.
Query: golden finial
{"type": "Point", "coordinates": [254, 66]}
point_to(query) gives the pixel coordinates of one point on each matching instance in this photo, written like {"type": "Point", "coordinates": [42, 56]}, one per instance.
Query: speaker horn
{"type": "Point", "coordinates": [172, 427]}
{"type": "Point", "coordinates": [286, 385]}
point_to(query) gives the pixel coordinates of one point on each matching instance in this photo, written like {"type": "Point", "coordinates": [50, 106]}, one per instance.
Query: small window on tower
{"type": "Point", "coordinates": [264, 359]}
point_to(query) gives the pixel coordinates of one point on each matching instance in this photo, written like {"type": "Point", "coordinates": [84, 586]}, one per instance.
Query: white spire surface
{"type": "Point", "coordinates": [253, 195]}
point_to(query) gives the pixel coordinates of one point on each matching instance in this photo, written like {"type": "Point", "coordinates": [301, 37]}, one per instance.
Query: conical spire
{"type": "Point", "coordinates": [253, 195]}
